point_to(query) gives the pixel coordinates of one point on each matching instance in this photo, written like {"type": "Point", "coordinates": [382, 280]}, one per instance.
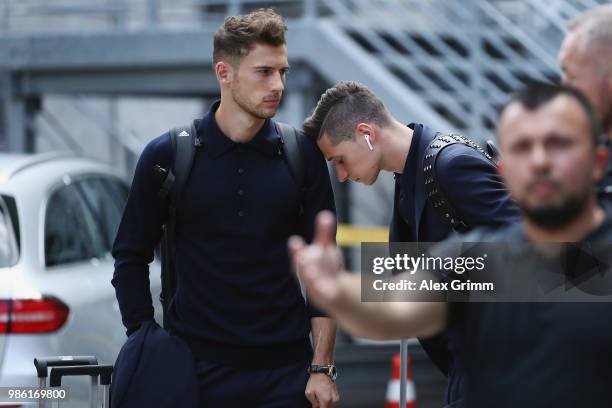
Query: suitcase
{"type": "Point", "coordinates": [63, 366]}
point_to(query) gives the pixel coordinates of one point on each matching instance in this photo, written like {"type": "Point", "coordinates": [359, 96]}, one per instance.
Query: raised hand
{"type": "Point", "coordinates": [319, 265]}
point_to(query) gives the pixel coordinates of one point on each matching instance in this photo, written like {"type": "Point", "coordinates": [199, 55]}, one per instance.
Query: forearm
{"type": "Point", "coordinates": [133, 254]}
{"type": "Point", "coordinates": [321, 389]}
{"type": "Point", "coordinates": [133, 296]}
{"type": "Point", "coordinates": [384, 320]}
{"type": "Point", "coordinates": [138, 234]}
{"type": "Point", "coordinates": [324, 340]}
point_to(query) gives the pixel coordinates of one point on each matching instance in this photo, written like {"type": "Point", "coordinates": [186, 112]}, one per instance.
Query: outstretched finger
{"type": "Point", "coordinates": [295, 245]}
{"type": "Point", "coordinates": [325, 227]}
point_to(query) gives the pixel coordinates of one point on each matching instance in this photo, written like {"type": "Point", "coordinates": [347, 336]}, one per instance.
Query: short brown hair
{"type": "Point", "coordinates": [239, 34]}
{"type": "Point", "coordinates": [341, 108]}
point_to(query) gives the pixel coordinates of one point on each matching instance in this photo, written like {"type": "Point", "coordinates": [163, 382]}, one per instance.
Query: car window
{"type": "Point", "coordinates": [107, 205]}
{"type": "Point", "coordinates": [9, 253]}
{"type": "Point", "coordinates": [71, 231]}
{"type": "Point", "coordinates": [119, 190]}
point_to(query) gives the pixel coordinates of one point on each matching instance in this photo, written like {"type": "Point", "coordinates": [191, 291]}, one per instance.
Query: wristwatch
{"type": "Point", "coordinates": [328, 370]}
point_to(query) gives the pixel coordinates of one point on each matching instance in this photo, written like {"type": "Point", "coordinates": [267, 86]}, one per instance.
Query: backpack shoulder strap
{"type": "Point", "coordinates": [291, 144]}
{"type": "Point", "coordinates": [184, 140]}
{"type": "Point", "coordinates": [435, 195]}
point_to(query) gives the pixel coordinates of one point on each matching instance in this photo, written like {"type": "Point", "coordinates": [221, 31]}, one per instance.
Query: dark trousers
{"type": "Point", "coordinates": [232, 387]}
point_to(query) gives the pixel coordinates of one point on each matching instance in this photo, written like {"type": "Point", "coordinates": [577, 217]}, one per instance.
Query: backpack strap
{"type": "Point", "coordinates": [289, 138]}
{"type": "Point", "coordinates": [290, 141]}
{"type": "Point", "coordinates": [435, 195]}
{"type": "Point", "coordinates": [184, 142]}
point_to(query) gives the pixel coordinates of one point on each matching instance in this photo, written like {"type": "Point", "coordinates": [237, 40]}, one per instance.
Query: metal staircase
{"type": "Point", "coordinates": [447, 63]}
{"type": "Point", "coordinates": [459, 58]}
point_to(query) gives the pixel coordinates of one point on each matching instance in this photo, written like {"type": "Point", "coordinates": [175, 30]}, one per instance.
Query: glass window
{"type": "Point", "coordinates": [119, 190]}
{"type": "Point", "coordinates": [107, 205]}
{"type": "Point", "coordinates": [71, 230]}
{"type": "Point", "coordinates": [8, 241]}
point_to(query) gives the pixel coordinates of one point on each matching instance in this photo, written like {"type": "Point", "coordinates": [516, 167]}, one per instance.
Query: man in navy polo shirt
{"type": "Point", "coordinates": [237, 304]}
{"type": "Point", "coordinates": [361, 138]}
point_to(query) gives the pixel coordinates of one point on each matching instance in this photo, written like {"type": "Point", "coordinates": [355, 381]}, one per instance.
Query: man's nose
{"type": "Point", "coordinates": [278, 82]}
{"type": "Point", "coordinates": [539, 157]}
{"type": "Point", "coordinates": [341, 173]}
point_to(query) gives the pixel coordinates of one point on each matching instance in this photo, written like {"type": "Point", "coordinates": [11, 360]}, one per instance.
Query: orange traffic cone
{"type": "Point", "coordinates": [393, 388]}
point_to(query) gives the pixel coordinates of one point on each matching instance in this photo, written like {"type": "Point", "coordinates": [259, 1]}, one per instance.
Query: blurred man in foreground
{"type": "Point", "coordinates": [514, 354]}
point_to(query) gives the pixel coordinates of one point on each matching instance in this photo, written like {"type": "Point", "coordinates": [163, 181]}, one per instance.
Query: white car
{"type": "Point", "coordinates": [58, 219]}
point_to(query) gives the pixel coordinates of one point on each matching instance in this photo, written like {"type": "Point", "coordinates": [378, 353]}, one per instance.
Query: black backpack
{"type": "Point", "coordinates": [185, 141]}
{"type": "Point", "coordinates": [436, 347]}
{"type": "Point", "coordinates": [435, 195]}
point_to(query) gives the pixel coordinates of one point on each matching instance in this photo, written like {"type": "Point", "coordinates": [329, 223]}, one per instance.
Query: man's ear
{"type": "Point", "coordinates": [366, 129]}
{"type": "Point", "coordinates": [601, 162]}
{"type": "Point", "coordinates": [224, 72]}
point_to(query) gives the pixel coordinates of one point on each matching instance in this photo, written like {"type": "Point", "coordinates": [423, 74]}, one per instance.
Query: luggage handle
{"type": "Point", "coordinates": [41, 363]}
{"type": "Point", "coordinates": [104, 371]}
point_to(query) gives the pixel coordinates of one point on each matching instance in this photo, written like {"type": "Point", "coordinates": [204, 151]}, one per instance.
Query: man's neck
{"type": "Point", "coordinates": [575, 231]}
{"type": "Point", "coordinates": [398, 138]}
{"type": "Point", "coordinates": [235, 123]}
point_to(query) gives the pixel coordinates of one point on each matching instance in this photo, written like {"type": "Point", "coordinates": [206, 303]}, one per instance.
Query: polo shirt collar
{"type": "Point", "coordinates": [407, 178]}
{"type": "Point", "coordinates": [216, 143]}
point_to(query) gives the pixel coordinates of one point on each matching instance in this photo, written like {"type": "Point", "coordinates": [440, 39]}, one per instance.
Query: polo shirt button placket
{"type": "Point", "coordinates": [240, 190]}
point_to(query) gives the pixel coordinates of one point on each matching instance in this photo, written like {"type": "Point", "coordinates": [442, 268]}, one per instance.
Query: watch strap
{"type": "Point", "coordinates": [329, 370]}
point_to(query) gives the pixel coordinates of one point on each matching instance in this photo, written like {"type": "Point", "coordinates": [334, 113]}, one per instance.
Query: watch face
{"type": "Point", "coordinates": [333, 373]}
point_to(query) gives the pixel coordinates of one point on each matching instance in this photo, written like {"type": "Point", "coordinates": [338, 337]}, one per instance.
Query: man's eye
{"type": "Point", "coordinates": [559, 143]}
{"type": "Point", "coordinates": [520, 148]}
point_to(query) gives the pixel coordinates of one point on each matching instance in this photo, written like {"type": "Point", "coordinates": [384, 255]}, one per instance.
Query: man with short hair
{"type": "Point", "coordinates": [360, 137]}
{"type": "Point", "coordinates": [585, 58]}
{"type": "Point", "coordinates": [526, 354]}
{"type": "Point", "coordinates": [237, 304]}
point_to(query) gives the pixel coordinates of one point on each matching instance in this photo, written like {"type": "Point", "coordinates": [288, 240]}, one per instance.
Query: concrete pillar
{"type": "Point", "coordinates": [13, 115]}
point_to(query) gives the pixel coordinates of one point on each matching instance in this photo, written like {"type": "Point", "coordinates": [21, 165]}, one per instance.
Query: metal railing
{"type": "Point", "coordinates": [87, 15]}
{"type": "Point", "coordinates": [463, 58]}
{"type": "Point", "coordinates": [460, 58]}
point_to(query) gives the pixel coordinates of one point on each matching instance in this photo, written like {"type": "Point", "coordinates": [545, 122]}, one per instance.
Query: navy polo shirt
{"type": "Point", "coordinates": [237, 300]}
